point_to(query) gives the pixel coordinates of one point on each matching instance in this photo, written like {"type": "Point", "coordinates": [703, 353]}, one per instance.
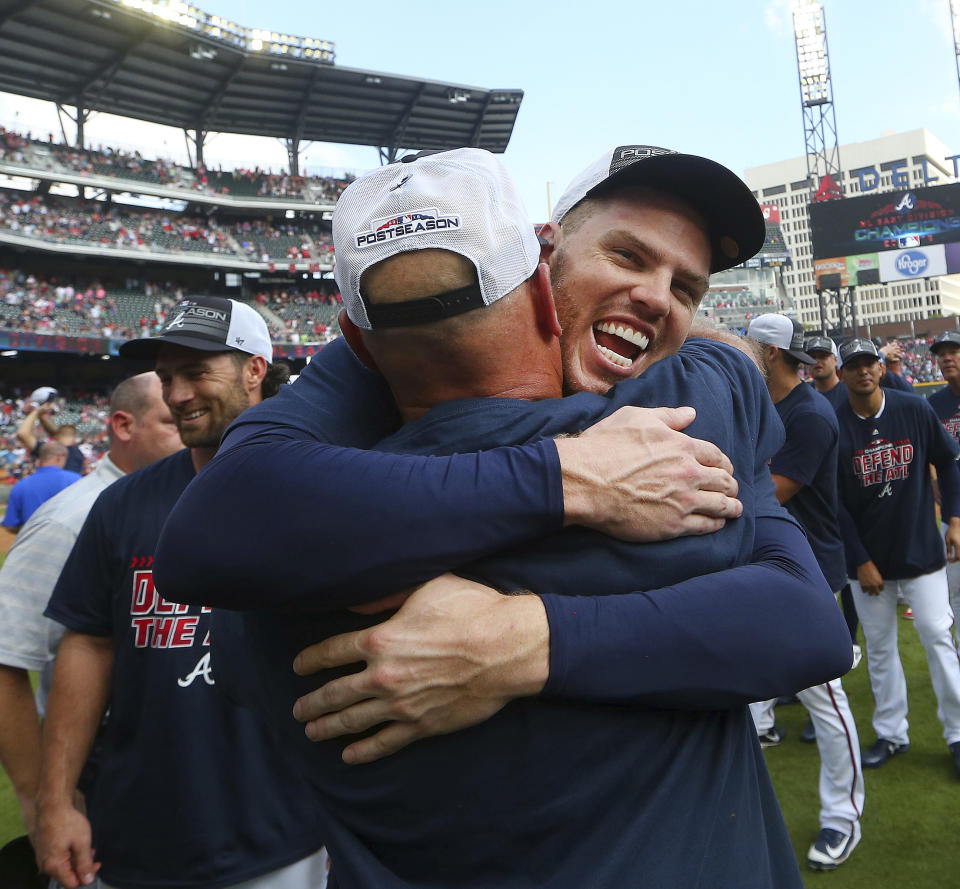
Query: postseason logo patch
{"type": "Point", "coordinates": [625, 155]}
{"type": "Point", "coordinates": [405, 225]}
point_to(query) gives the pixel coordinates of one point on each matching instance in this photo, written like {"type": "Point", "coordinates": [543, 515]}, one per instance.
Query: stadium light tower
{"type": "Point", "coordinates": [816, 99]}
{"type": "Point", "coordinates": [955, 22]}
{"type": "Point", "coordinates": [819, 124]}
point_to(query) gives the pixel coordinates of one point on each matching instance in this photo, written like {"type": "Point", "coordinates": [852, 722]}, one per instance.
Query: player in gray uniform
{"type": "Point", "coordinates": [946, 404]}
{"type": "Point", "coordinates": [805, 473]}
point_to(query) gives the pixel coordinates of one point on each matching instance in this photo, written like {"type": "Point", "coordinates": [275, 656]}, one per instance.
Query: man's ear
{"type": "Point", "coordinates": [544, 305]}
{"type": "Point", "coordinates": [121, 423]}
{"type": "Point", "coordinates": [254, 370]}
{"type": "Point", "coordinates": [549, 237]}
{"type": "Point", "coordinates": [354, 337]}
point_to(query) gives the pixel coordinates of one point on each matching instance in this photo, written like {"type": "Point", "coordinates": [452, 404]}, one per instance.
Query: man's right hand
{"type": "Point", "coordinates": [636, 476]}
{"type": "Point", "coordinates": [870, 578]}
{"type": "Point", "coordinates": [62, 841]}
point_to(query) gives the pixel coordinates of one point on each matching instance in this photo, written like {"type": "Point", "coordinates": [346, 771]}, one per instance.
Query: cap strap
{"type": "Point", "coordinates": [427, 309]}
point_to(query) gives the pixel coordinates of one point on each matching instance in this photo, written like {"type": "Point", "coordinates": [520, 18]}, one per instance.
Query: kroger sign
{"type": "Point", "coordinates": [923, 262]}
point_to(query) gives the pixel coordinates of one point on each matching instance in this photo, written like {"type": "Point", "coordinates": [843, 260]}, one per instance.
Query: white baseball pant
{"type": "Point", "coordinates": [927, 596]}
{"type": "Point", "coordinates": [953, 581]}
{"type": "Point", "coordinates": [841, 776]}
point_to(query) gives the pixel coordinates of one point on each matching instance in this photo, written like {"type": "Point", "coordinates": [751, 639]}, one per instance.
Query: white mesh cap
{"type": "Point", "coordinates": [463, 201]}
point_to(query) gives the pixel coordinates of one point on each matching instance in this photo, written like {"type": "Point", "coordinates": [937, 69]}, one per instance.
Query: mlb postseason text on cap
{"type": "Point", "coordinates": [948, 337]}
{"type": "Point", "coordinates": [210, 324]}
{"type": "Point", "coordinates": [782, 332]}
{"type": "Point", "coordinates": [858, 346]}
{"type": "Point", "coordinates": [734, 219]}
{"type": "Point", "coordinates": [463, 201]}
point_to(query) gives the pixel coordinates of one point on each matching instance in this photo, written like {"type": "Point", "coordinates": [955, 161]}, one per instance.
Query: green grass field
{"type": "Point", "coordinates": [912, 811]}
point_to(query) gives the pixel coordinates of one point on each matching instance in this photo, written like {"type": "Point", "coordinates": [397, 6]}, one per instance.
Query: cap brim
{"type": "Point", "coordinates": [801, 356]}
{"type": "Point", "coordinates": [147, 347]}
{"type": "Point", "coordinates": [935, 346]}
{"type": "Point", "coordinates": [728, 206]}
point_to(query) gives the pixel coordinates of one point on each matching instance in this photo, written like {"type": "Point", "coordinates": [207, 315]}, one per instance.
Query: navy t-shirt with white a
{"type": "Point", "coordinates": [809, 457]}
{"type": "Point", "coordinates": [566, 790]}
{"type": "Point", "coordinates": [884, 483]}
{"type": "Point", "coordinates": [192, 791]}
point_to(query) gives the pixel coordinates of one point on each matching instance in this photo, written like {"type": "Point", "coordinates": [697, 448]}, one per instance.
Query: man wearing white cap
{"type": "Point", "coordinates": [190, 790]}
{"type": "Point", "coordinates": [805, 473]}
{"type": "Point", "coordinates": [437, 266]}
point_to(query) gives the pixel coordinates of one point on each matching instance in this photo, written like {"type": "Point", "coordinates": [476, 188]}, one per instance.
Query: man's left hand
{"type": "Point", "coordinates": [453, 655]}
{"type": "Point", "coordinates": [952, 539]}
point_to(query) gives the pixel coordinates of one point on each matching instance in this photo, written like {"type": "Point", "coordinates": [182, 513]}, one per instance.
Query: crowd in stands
{"type": "Point", "coordinates": [86, 409]}
{"type": "Point", "coordinates": [124, 310]}
{"type": "Point", "coordinates": [300, 316]}
{"type": "Point", "coordinates": [918, 363]}
{"type": "Point", "coordinates": [113, 162]}
{"type": "Point", "coordinates": [63, 220]}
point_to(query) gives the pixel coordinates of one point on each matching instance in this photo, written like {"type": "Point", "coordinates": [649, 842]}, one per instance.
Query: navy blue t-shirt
{"type": "Point", "coordinates": [836, 396]}
{"type": "Point", "coordinates": [946, 406]}
{"type": "Point", "coordinates": [809, 457]}
{"type": "Point", "coordinates": [885, 485]}
{"type": "Point", "coordinates": [191, 791]}
{"type": "Point", "coordinates": [553, 791]}
{"type": "Point", "coordinates": [891, 380]}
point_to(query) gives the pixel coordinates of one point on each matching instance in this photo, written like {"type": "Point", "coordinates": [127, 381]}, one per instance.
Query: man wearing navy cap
{"type": "Point", "coordinates": [946, 404]}
{"type": "Point", "coordinates": [887, 441]}
{"type": "Point", "coordinates": [190, 789]}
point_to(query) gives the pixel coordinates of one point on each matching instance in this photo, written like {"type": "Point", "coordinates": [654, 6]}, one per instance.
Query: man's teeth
{"type": "Point", "coordinates": [614, 357]}
{"type": "Point", "coordinates": [192, 415]}
{"type": "Point", "coordinates": [625, 333]}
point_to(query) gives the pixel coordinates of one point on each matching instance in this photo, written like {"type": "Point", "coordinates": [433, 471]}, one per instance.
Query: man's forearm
{"type": "Point", "coordinates": [20, 738]}
{"type": "Point", "coordinates": [25, 430]}
{"type": "Point", "coordinates": [78, 699]}
{"type": "Point", "coordinates": [429, 514]}
{"type": "Point", "coordinates": [750, 633]}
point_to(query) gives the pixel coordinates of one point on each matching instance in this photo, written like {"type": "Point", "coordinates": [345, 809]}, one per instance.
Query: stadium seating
{"type": "Point", "coordinates": [131, 166]}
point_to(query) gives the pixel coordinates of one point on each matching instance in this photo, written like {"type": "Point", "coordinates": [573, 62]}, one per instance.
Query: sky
{"type": "Point", "coordinates": [710, 78]}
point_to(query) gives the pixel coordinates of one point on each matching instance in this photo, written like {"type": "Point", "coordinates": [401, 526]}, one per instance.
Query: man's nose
{"type": "Point", "coordinates": [178, 391]}
{"type": "Point", "coordinates": [654, 293]}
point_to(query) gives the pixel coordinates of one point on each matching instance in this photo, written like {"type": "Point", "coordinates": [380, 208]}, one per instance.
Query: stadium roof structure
{"type": "Point", "coordinates": [169, 63]}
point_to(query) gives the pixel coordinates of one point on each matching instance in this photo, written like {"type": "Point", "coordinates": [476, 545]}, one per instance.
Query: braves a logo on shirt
{"type": "Point", "coordinates": [882, 462]}
{"type": "Point", "coordinates": [157, 623]}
